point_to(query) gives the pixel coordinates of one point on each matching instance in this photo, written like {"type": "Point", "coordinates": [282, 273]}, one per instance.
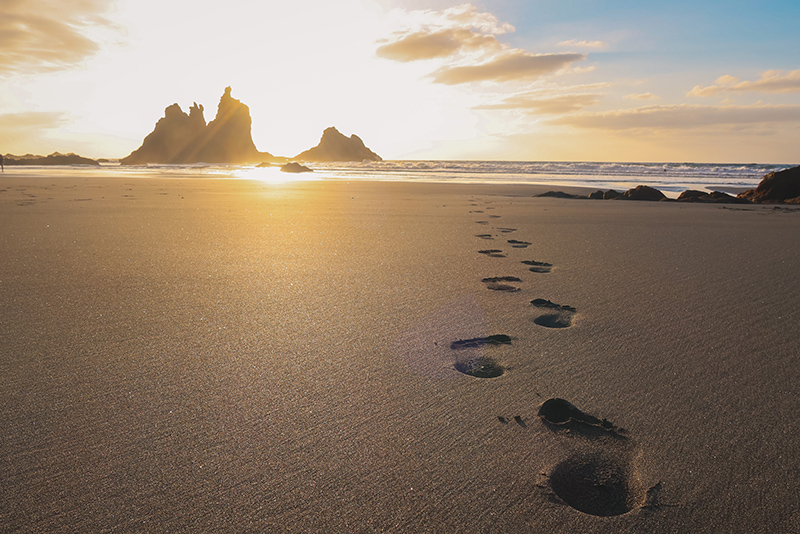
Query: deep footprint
{"type": "Point", "coordinates": [597, 484]}
{"type": "Point", "coordinates": [562, 413]}
{"type": "Point", "coordinates": [493, 253]}
{"type": "Point", "coordinates": [497, 285]}
{"type": "Point", "coordinates": [560, 316]}
{"type": "Point", "coordinates": [481, 367]}
{"type": "Point", "coordinates": [519, 244]}
{"type": "Point", "coordinates": [539, 266]}
{"type": "Point", "coordinates": [485, 236]}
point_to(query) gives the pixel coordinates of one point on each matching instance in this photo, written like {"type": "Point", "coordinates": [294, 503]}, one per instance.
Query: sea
{"type": "Point", "coordinates": [670, 178]}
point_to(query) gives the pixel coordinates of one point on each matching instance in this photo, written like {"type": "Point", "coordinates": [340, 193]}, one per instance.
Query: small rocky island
{"type": "Point", "coordinates": [335, 146]}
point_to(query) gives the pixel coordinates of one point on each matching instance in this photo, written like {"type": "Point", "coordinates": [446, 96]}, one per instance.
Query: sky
{"type": "Point", "coordinates": [535, 80]}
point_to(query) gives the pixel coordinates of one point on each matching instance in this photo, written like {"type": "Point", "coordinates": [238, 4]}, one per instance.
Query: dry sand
{"type": "Point", "coordinates": [232, 356]}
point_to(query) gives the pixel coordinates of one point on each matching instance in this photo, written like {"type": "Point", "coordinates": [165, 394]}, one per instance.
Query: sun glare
{"type": "Point", "coordinates": [271, 175]}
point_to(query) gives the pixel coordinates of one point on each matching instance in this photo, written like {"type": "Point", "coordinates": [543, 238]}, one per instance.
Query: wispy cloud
{"type": "Point", "coordinates": [539, 104]}
{"type": "Point", "coordinates": [18, 131]}
{"type": "Point", "coordinates": [511, 66]}
{"type": "Point", "coordinates": [683, 117]}
{"type": "Point", "coordinates": [34, 120]}
{"type": "Point", "coordinates": [642, 96]}
{"type": "Point", "coordinates": [772, 81]}
{"type": "Point", "coordinates": [592, 45]}
{"type": "Point", "coordinates": [443, 43]}
{"type": "Point", "coordinates": [465, 40]}
{"type": "Point", "coordinates": [44, 35]}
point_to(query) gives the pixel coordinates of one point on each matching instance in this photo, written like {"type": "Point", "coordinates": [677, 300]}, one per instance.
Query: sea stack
{"type": "Point", "coordinates": [334, 146]}
{"type": "Point", "coordinates": [181, 138]}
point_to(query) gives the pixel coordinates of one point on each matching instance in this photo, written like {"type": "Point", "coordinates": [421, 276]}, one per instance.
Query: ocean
{"type": "Point", "coordinates": [671, 178]}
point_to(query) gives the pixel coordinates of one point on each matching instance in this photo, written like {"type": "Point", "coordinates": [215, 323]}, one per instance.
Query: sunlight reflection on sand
{"type": "Point", "coordinates": [271, 175]}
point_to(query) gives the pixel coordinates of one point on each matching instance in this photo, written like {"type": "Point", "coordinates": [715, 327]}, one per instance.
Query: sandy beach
{"type": "Point", "coordinates": [217, 355]}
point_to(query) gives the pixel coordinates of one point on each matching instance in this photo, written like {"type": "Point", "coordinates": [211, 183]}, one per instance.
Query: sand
{"type": "Point", "coordinates": [233, 356]}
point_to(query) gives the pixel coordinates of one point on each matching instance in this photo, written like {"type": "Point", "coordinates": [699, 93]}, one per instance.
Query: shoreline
{"type": "Point", "coordinates": [604, 176]}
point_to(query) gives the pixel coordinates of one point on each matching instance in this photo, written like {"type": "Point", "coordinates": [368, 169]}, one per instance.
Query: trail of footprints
{"type": "Point", "coordinates": [598, 476]}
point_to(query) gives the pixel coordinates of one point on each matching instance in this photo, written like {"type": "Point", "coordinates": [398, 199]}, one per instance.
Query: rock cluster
{"type": "Point", "coordinates": [186, 138]}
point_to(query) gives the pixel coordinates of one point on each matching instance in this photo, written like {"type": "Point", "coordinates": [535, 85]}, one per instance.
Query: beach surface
{"type": "Point", "coordinates": [218, 355]}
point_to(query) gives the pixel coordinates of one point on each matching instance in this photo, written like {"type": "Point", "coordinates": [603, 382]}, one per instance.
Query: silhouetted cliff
{"type": "Point", "coordinates": [182, 138]}
{"type": "Point", "coordinates": [53, 159]}
{"type": "Point", "coordinates": [336, 147]}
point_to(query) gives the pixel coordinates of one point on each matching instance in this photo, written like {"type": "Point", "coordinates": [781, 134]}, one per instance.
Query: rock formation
{"type": "Point", "coordinates": [782, 186]}
{"type": "Point", "coordinates": [182, 138]}
{"type": "Point", "coordinates": [295, 167]}
{"type": "Point", "coordinates": [337, 147]}
{"type": "Point", "coordinates": [53, 159]}
{"type": "Point", "coordinates": [605, 195]}
{"type": "Point", "coordinates": [692, 195]}
{"type": "Point", "coordinates": [643, 192]}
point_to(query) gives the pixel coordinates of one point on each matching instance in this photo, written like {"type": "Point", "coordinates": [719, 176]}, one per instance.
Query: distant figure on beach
{"type": "Point", "coordinates": [2, 166]}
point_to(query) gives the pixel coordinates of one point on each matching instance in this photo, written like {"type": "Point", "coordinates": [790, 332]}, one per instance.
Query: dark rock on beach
{"type": "Point", "coordinates": [605, 195]}
{"type": "Point", "coordinates": [692, 195]}
{"type": "Point", "coordinates": [295, 167]}
{"type": "Point", "coordinates": [643, 192]}
{"type": "Point", "coordinates": [776, 187]}
{"type": "Point", "coordinates": [558, 194]}
{"type": "Point", "coordinates": [334, 146]}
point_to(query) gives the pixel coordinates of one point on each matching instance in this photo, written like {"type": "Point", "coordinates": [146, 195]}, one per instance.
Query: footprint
{"type": "Point", "coordinates": [493, 253]}
{"type": "Point", "coordinates": [558, 316]}
{"type": "Point", "coordinates": [563, 414]}
{"type": "Point", "coordinates": [601, 479]}
{"type": "Point", "coordinates": [476, 211]}
{"type": "Point", "coordinates": [538, 266]}
{"type": "Point", "coordinates": [507, 230]}
{"type": "Point", "coordinates": [496, 285]}
{"type": "Point", "coordinates": [481, 222]}
{"type": "Point", "coordinates": [478, 365]}
{"type": "Point", "coordinates": [598, 484]}
{"type": "Point", "coordinates": [494, 216]}
{"type": "Point", "coordinates": [485, 236]}
{"type": "Point", "coordinates": [519, 244]}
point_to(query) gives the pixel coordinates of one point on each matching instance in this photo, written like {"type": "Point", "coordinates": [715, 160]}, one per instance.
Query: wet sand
{"type": "Point", "coordinates": [235, 356]}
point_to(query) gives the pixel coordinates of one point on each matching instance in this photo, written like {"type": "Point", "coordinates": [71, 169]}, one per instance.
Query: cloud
{"type": "Point", "coordinates": [575, 43]}
{"type": "Point", "coordinates": [772, 81]}
{"type": "Point", "coordinates": [535, 103]}
{"type": "Point", "coordinates": [683, 117]}
{"type": "Point", "coordinates": [19, 131]}
{"type": "Point", "coordinates": [511, 66]}
{"type": "Point", "coordinates": [443, 43]}
{"type": "Point", "coordinates": [465, 40]}
{"type": "Point", "coordinates": [642, 96]}
{"type": "Point", "coordinates": [45, 35]}
{"type": "Point", "coordinates": [32, 120]}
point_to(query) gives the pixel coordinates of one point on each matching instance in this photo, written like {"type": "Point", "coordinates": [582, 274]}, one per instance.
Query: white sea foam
{"type": "Point", "coordinates": [668, 177]}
